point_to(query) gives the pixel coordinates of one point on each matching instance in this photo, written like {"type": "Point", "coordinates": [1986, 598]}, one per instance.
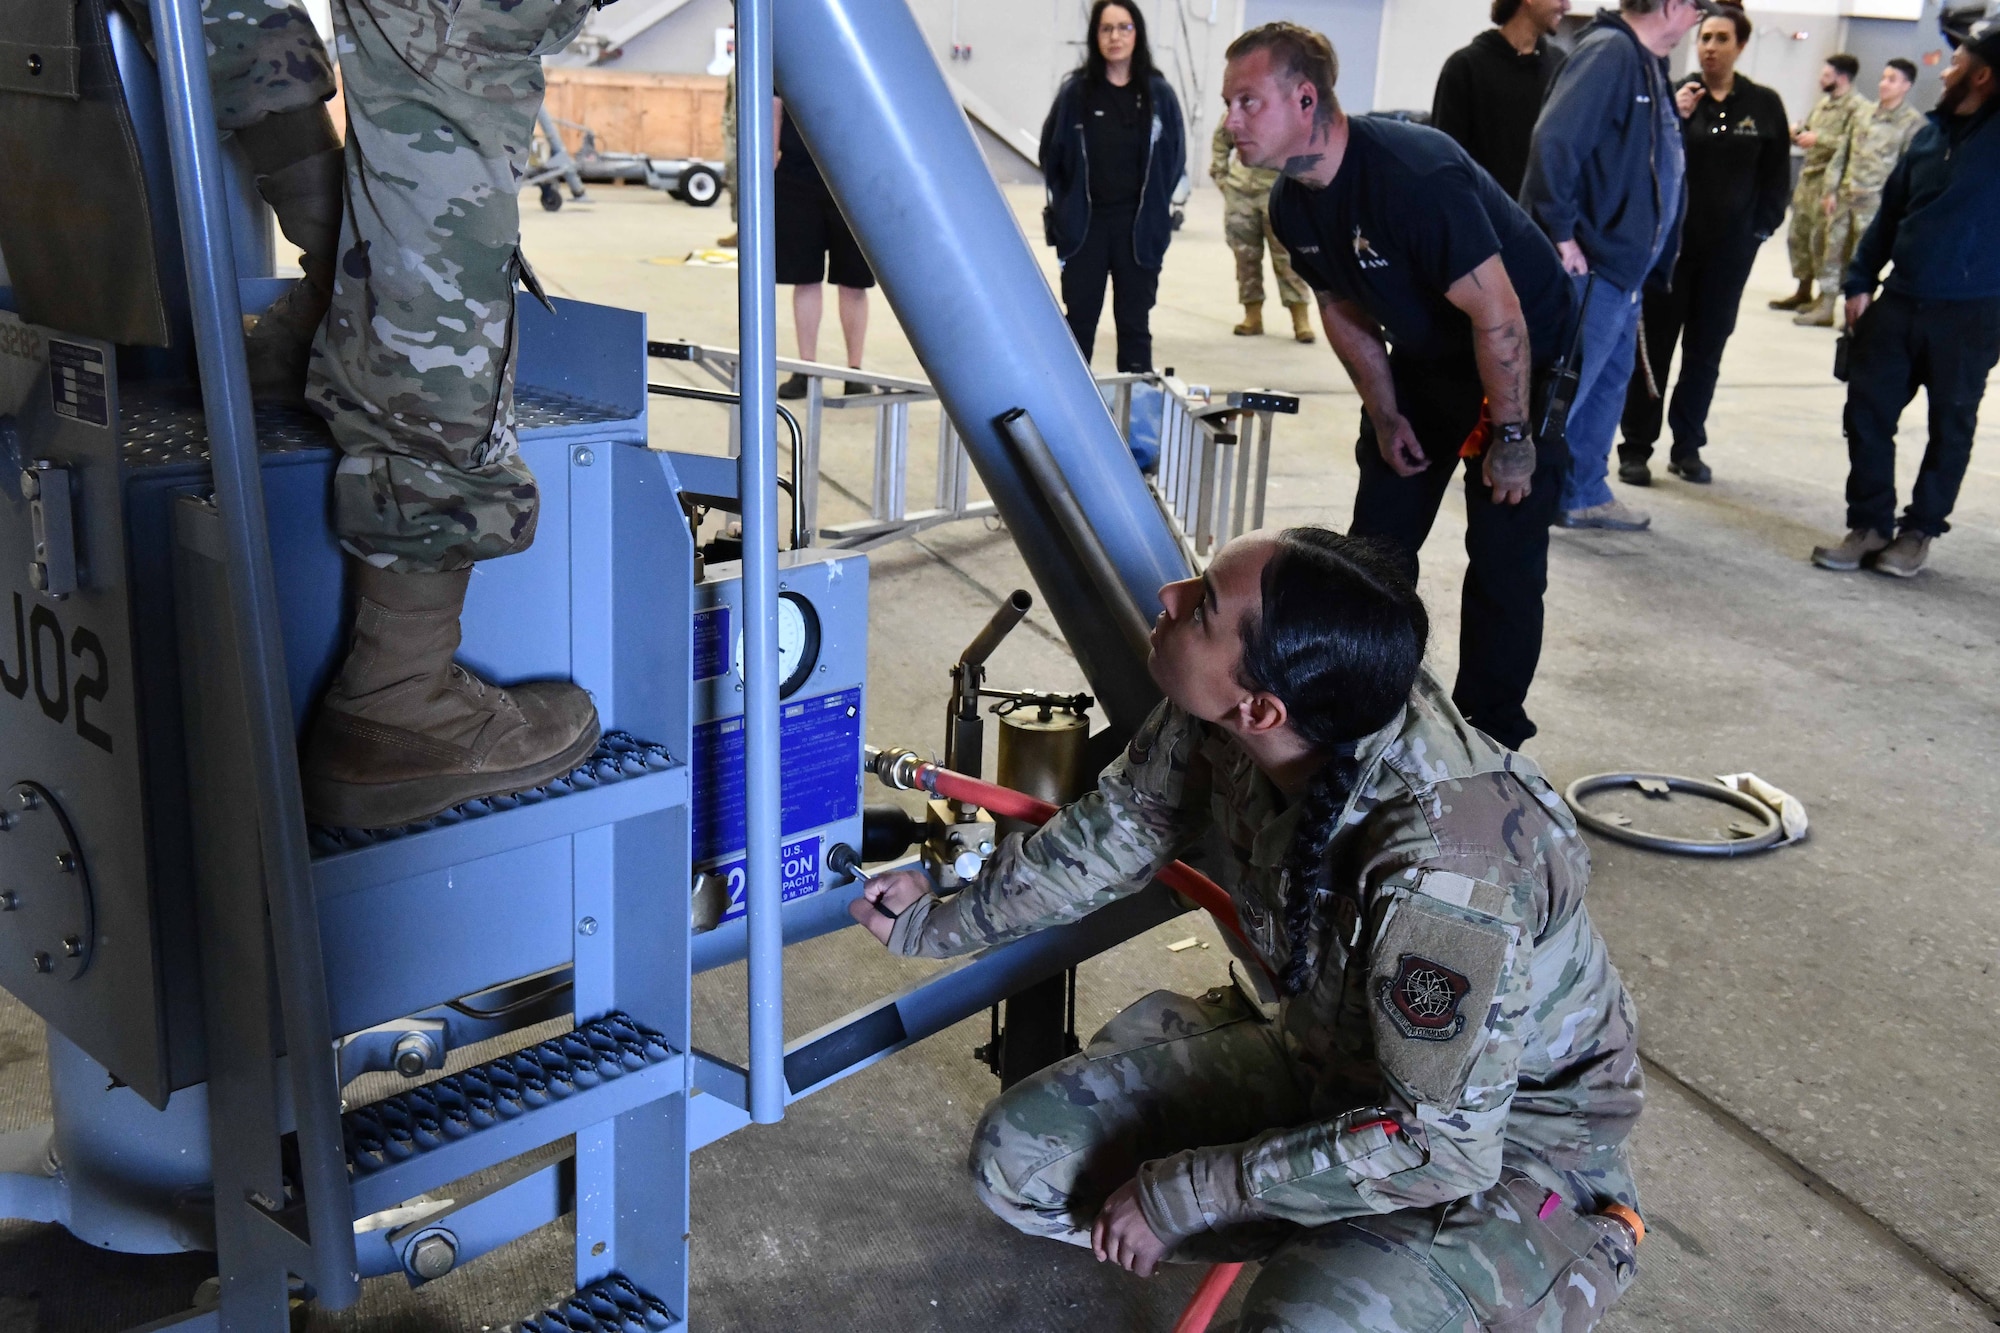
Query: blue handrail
{"type": "Point", "coordinates": [201, 195]}
{"type": "Point", "coordinates": [757, 472]}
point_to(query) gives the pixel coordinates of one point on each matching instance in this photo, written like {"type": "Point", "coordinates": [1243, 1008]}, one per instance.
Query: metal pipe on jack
{"type": "Point", "coordinates": [202, 198]}
{"type": "Point", "coordinates": [1075, 527]}
{"type": "Point", "coordinates": [756, 474]}
{"type": "Point", "coordinates": [899, 155]}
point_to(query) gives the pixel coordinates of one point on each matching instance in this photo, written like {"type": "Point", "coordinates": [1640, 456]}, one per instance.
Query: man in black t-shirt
{"type": "Point", "coordinates": [1441, 298]}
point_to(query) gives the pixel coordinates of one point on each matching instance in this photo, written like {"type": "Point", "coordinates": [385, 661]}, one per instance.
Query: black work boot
{"type": "Point", "coordinates": [406, 732]}
{"type": "Point", "coordinates": [300, 172]}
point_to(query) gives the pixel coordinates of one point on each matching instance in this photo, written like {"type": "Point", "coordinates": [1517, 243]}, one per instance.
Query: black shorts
{"type": "Point", "coordinates": [813, 242]}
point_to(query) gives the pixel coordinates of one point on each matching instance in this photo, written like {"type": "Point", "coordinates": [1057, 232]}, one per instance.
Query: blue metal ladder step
{"type": "Point", "coordinates": [624, 777]}
{"type": "Point", "coordinates": [609, 1305]}
{"type": "Point", "coordinates": [421, 1139]}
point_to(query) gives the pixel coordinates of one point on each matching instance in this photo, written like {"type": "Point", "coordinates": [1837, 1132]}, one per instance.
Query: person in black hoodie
{"type": "Point", "coordinates": [1606, 182]}
{"type": "Point", "coordinates": [1113, 150]}
{"type": "Point", "coordinates": [1739, 177]}
{"type": "Point", "coordinates": [1490, 90]}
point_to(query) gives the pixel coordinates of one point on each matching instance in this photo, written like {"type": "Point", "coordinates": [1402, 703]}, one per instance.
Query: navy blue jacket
{"type": "Point", "coordinates": [1066, 173]}
{"type": "Point", "coordinates": [1940, 216]}
{"type": "Point", "coordinates": [1594, 165]}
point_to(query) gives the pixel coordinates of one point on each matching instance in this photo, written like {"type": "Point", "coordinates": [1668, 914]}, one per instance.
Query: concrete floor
{"type": "Point", "coordinates": [1818, 1022]}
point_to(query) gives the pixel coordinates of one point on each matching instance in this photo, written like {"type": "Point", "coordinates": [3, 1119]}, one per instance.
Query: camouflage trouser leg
{"type": "Point", "coordinates": [1808, 231]}
{"type": "Point", "coordinates": [1173, 1072]}
{"type": "Point", "coordinates": [1243, 226]}
{"type": "Point", "coordinates": [1168, 1073]}
{"type": "Point", "coordinates": [414, 367]}
{"type": "Point", "coordinates": [263, 58]}
{"type": "Point", "coordinates": [1844, 231]}
{"type": "Point", "coordinates": [1487, 1262]}
{"type": "Point", "coordinates": [1291, 287]}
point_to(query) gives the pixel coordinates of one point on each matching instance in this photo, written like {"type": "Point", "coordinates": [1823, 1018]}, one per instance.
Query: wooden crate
{"type": "Point", "coordinates": [661, 115]}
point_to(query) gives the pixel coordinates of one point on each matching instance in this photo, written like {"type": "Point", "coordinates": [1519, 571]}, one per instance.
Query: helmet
{"type": "Point", "coordinates": [1975, 25]}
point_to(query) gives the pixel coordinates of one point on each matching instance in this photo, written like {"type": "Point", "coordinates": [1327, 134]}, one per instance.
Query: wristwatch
{"type": "Point", "coordinates": [1511, 432]}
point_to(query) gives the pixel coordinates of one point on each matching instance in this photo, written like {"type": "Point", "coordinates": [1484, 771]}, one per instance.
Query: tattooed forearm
{"type": "Point", "coordinates": [1504, 360]}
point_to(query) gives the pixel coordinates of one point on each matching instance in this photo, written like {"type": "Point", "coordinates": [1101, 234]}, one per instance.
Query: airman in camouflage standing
{"type": "Point", "coordinates": [414, 265]}
{"type": "Point", "coordinates": [1419, 1119]}
{"type": "Point", "coordinates": [1876, 138]}
{"type": "Point", "coordinates": [1246, 225]}
{"type": "Point", "coordinates": [1822, 137]}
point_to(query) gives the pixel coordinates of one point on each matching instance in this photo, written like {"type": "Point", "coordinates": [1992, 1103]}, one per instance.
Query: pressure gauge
{"type": "Point", "coordinates": [798, 643]}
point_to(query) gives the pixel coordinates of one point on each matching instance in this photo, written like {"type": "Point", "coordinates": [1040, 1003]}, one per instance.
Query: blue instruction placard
{"type": "Point", "coordinates": [819, 749]}
{"type": "Point", "coordinates": [798, 871]}
{"type": "Point", "coordinates": [711, 643]}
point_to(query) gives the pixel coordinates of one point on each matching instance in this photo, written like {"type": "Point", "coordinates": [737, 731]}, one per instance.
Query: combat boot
{"type": "Point", "coordinates": [1798, 299]}
{"type": "Point", "coordinates": [1854, 548]}
{"type": "Point", "coordinates": [406, 732]}
{"type": "Point", "coordinates": [300, 171]}
{"type": "Point", "coordinates": [1904, 556]}
{"type": "Point", "coordinates": [1253, 321]}
{"type": "Point", "coordinates": [1818, 315]}
{"type": "Point", "coordinates": [1302, 325]}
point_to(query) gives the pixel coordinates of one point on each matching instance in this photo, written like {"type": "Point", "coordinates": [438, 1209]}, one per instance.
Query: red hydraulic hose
{"type": "Point", "coordinates": [1180, 877]}
{"type": "Point", "coordinates": [1208, 1298]}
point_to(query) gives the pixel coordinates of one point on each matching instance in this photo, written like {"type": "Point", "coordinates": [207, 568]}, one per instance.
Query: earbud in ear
{"type": "Point", "coordinates": [1306, 102]}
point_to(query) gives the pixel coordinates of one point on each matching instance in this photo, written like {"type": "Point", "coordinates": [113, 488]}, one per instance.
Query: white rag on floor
{"type": "Point", "coordinates": [1790, 810]}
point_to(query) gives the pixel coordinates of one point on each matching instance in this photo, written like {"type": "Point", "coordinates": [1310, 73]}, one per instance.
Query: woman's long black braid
{"type": "Point", "coordinates": [1340, 640]}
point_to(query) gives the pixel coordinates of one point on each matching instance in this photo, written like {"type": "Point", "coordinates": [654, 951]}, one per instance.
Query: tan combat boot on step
{"type": "Point", "coordinates": [405, 732]}
{"type": "Point", "coordinates": [1817, 315]}
{"type": "Point", "coordinates": [1253, 322]}
{"type": "Point", "coordinates": [1302, 324]}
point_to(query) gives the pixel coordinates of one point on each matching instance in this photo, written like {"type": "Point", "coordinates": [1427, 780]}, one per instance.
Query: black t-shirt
{"type": "Point", "coordinates": [795, 160]}
{"type": "Point", "coordinates": [1407, 215]}
{"type": "Point", "coordinates": [1117, 133]}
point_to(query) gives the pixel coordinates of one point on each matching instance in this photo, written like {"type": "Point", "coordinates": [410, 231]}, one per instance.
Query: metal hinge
{"type": "Point", "coordinates": [46, 487]}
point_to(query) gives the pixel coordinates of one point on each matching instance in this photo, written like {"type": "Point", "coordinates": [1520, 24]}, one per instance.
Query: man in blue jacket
{"type": "Point", "coordinates": [1937, 322]}
{"type": "Point", "coordinates": [1607, 182]}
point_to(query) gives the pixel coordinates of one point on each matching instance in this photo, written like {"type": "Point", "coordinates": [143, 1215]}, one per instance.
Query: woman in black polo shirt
{"type": "Point", "coordinates": [1113, 150]}
{"type": "Point", "coordinates": [1739, 177]}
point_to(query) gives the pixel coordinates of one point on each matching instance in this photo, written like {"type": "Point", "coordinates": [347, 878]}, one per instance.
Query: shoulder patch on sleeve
{"type": "Point", "coordinates": [1432, 981]}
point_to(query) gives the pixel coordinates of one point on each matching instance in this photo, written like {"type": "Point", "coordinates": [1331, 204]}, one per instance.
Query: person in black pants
{"type": "Point", "coordinates": [1439, 294]}
{"type": "Point", "coordinates": [1113, 150]}
{"type": "Point", "coordinates": [1937, 323]}
{"type": "Point", "coordinates": [1739, 178]}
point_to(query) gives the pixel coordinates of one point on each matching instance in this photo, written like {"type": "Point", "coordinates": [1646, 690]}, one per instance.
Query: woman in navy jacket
{"type": "Point", "coordinates": [1113, 150]}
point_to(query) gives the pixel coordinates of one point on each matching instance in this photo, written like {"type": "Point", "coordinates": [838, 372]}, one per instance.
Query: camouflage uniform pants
{"type": "Point", "coordinates": [1246, 224]}
{"type": "Point", "coordinates": [1173, 1072]}
{"type": "Point", "coordinates": [414, 367]}
{"type": "Point", "coordinates": [1806, 241]}
{"type": "Point", "coordinates": [1844, 231]}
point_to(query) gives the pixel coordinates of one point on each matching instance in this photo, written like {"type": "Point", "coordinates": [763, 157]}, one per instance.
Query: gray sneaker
{"type": "Point", "coordinates": [1854, 548]}
{"type": "Point", "coordinates": [1613, 514]}
{"type": "Point", "coordinates": [1904, 556]}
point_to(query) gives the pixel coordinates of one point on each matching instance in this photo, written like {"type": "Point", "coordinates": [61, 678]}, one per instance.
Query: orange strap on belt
{"type": "Point", "coordinates": [1633, 1222]}
{"type": "Point", "coordinates": [1481, 436]}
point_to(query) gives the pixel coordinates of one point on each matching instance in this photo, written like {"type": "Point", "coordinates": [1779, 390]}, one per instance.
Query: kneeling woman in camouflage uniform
{"type": "Point", "coordinates": [1426, 1130]}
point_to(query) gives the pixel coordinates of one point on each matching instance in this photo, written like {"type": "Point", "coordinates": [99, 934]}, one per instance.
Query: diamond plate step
{"type": "Point", "coordinates": [609, 1305]}
{"type": "Point", "coordinates": [624, 777]}
{"type": "Point", "coordinates": [429, 1136]}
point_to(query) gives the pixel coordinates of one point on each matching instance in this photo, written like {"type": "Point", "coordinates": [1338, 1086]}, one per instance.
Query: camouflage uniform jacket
{"type": "Point", "coordinates": [1227, 170]}
{"type": "Point", "coordinates": [1463, 994]}
{"type": "Point", "coordinates": [1875, 142]}
{"type": "Point", "coordinates": [1830, 119]}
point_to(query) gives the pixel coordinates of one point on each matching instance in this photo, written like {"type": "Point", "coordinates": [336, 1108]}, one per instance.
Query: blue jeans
{"type": "Point", "coordinates": [1610, 346]}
